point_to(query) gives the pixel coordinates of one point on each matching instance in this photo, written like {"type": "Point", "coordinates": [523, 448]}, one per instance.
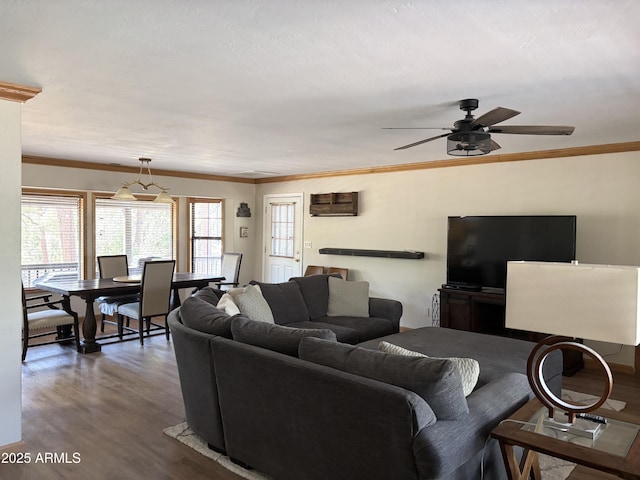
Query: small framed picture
{"type": "Point", "coordinates": [244, 232]}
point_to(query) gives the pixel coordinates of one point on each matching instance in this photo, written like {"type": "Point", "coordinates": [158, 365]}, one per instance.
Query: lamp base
{"type": "Point", "coordinates": [580, 428]}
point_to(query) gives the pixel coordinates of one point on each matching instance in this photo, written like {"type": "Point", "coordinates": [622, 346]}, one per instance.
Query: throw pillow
{"type": "Point", "coordinates": [285, 301]}
{"type": "Point", "coordinates": [200, 315]}
{"type": "Point", "coordinates": [349, 299]}
{"type": "Point", "coordinates": [469, 368]}
{"type": "Point", "coordinates": [315, 292]}
{"type": "Point", "coordinates": [211, 295]}
{"type": "Point", "coordinates": [437, 381]}
{"type": "Point", "coordinates": [253, 305]}
{"type": "Point", "coordinates": [275, 337]}
{"type": "Point", "coordinates": [227, 304]}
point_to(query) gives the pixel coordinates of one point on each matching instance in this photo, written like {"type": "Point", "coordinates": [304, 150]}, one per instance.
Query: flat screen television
{"type": "Point", "coordinates": [478, 247]}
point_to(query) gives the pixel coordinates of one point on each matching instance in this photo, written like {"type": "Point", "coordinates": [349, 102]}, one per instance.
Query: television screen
{"type": "Point", "coordinates": [479, 247]}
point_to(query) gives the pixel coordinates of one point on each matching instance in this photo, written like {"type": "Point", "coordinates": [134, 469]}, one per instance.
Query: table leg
{"type": "Point", "coordinates": [520, 471]}
{"type": "Point", "coordinates": [89, 344]}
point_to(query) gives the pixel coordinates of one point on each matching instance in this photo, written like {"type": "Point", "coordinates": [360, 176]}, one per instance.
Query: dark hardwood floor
{"type": "Point", "coordinates": [111, 408]}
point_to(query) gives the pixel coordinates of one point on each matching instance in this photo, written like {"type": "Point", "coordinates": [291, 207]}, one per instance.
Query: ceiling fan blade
{"type": "Point", "coordinates": [534, 129]}
{"type": "Point", "coordinates": [494, 116]}
{"type": "Point", "coordinates": [415, 128]}
{"type": "Point", "coordinates": [422, 141]}
{"type": "Point", "coordinates": [494, 145]}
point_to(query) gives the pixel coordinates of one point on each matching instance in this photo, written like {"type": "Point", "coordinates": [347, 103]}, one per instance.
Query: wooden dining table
{"type": "Point", "coordinates": [89, 290]}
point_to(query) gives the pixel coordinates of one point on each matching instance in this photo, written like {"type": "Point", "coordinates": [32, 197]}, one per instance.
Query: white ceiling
{"type": "Point", "coordinates": [246, 87]}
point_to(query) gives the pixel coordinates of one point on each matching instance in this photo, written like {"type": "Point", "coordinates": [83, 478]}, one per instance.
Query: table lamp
{"type": "Point", "coordinates": [568, 301]}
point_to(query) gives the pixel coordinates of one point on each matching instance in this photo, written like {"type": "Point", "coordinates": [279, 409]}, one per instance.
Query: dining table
{"type": "Point", "coordinates": [91, 289]}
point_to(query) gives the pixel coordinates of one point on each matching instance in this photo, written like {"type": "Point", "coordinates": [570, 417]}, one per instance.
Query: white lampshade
{"type": "Point", "coordinates": [124, 193]}
{"type": "Point", "coordinates": [164, 197]}
{"type": "Point", "coordinates": [595, 302]}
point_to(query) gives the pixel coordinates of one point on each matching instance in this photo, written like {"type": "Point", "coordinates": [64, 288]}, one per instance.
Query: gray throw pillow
{"type": "Point", "coordinates": [285, 301]}
{"type": "Point", "coordinates": [275, 337]}
{"type": "Point", "coordinates": [315, 292]}
{"type": "Point", "coordinates": [209, 294]}
{"type": "Point", "coordinates": [200, 315]}
{"type": "Point", "coordinates": [348, 299]}
{"type": "Point", "coordinates": [437, 381]}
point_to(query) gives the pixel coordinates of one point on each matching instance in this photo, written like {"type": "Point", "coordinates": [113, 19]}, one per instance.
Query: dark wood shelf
{"type": "Point", "coordinates": [354, 252]}
{"type": "Point", "coordinates": [334, 204]}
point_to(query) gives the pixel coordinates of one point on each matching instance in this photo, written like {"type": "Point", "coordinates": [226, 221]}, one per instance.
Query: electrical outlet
{"type": "Point", "coordinates": [307, 244]}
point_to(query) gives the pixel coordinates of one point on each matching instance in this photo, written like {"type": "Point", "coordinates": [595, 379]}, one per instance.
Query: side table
{"type": "Point", "coordinates": [615, 451]}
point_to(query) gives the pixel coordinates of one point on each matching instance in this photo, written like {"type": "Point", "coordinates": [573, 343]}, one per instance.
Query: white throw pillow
{"type": "Point", "coordinates": [227, 304]}
{"type": "Point", "coordinates": [253, 305]}
{"type": "Point", "coordinates": [349, 299]}
{"type": "Point", "coordinates": [469, 368]}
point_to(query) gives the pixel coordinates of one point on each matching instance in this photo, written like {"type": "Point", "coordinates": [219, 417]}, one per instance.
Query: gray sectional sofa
{"type": "Point", "coordinates": [295, 403]}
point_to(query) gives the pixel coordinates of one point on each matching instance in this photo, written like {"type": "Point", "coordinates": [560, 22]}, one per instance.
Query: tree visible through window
{"type": "Point", "coordinates": [205, 219]}
{"type": "Point", "coordinates": [143, 230]}
{"type": "Point", "coordinates": [51, 237]}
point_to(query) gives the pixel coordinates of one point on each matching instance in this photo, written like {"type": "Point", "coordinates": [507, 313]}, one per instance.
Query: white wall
{"type": "Point", "coordinates": [408, 210]}
{"type": "Point", "coordinates": [11, 318]}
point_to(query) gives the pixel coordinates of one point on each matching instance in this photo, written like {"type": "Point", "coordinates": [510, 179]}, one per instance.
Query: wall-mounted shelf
{"type": "Point", "coordinates": [373, 253]}
{"type": "Point", "coordinates": [332, 204]}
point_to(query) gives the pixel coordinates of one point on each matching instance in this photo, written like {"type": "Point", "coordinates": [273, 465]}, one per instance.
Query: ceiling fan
{"type": "Point", "coordinates": [472, 136]}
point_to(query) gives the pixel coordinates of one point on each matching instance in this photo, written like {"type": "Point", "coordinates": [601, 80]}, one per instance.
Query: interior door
{"type": "Point", "coordinates": [283, 237]}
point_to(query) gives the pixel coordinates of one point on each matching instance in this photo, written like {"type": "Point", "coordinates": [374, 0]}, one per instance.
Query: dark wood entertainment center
{"type": "Point", "coordinates": [484, 312]}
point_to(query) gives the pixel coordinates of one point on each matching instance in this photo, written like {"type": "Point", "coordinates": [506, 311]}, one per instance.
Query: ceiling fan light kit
{"type": "Point", "coordinates": [472, 136]}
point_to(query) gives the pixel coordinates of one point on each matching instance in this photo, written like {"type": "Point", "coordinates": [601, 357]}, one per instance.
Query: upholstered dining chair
{"type": "Point", "coordinates": [343, 272]}
{"type": "Point", "coordinates": [155, 298]}
{"type": "Point", "coordinates": [230, 270]}
{"type": "Point", "coordinates": [46, 321]}
{"type": "Point", "coordinates": [313, 270]}
{"type": "Point", "coordinates": [110, 266]}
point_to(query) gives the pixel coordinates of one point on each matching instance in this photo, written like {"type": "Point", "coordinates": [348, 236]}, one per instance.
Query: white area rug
{"type": "Point", "coordinates": [552, 468]}
{"type": "Point", "coordinates": [555, 468]}
{"type": "Point", "coordinates": [185, 435]}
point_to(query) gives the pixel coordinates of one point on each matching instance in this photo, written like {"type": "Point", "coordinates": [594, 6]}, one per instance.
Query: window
{"type": "Point", "coordinates": [282, 226]}
{"type": "Point", "coordinates": [143, 230]}
{"type": "Point", "coordinates": [52, 227]}
{"type": "Point", "coordinates": [205, 226]}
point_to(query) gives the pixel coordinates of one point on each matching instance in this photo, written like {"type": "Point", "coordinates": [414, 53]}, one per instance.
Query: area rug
{"type": "Point", "coordinates": [552, 468]}
{"type": "Point", "coordinates": [555, 468]}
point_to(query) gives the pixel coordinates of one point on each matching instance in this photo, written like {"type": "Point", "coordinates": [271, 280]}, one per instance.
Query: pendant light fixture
{"type": "Point", "coordinates": [124, 193]}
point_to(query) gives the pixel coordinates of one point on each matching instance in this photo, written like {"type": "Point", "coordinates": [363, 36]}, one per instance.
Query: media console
{"type": "Point", "coordinates": [484, 312]}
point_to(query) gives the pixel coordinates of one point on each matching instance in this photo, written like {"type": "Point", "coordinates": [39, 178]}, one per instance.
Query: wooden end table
{"type": "Point", "coordinates": [615, 451]}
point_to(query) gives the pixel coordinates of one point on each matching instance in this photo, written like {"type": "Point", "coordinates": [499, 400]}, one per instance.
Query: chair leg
{"type": "Point", "coordinates": [25, 344]}
{"type": "Point", "coordinates": [120, 321]}
{"type": "Point", "coordinates": [141, 331]}
{"type": "Point", "coordinates": [76, 333]}
{"type": "Point", "coordinates": [166, 328]}
{"type": "Point", "coordinates": [104, 317]}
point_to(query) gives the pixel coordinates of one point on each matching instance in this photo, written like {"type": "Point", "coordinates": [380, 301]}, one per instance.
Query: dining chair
{"type": "Point", "coordinates": [110, 266]}
{"type": "Point", "coordinates": [313, 270]}
{"type": "Point", "coordinates": [230, 270]}
{"type": "Point", "coordinates": [155, 298]}
{"type": "Point", "coordinates": [343, 272]}
{"type": "Point", "coordinates": [47, 320]}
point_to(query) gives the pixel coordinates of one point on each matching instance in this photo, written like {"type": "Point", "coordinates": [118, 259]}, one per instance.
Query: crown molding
{"type": "Point", "coordinates": [17, 93]}
{"type": "Point", "coordinates": [458, 162]}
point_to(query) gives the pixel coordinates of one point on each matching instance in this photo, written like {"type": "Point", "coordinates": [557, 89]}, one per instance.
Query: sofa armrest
{"type": "Point", "coordinates": [443, 447]}
{"type": "Point", "coordinates": [386, 308]}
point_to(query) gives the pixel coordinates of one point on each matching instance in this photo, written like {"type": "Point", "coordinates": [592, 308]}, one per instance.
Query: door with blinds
{"type": "Point", "coordinates": [283, 237]}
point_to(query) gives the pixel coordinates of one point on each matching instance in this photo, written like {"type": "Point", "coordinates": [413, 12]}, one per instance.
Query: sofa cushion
{"type": "Point", "coordinates": [343, 333]}
{"type": "Point", "coordinates": [366, 327]}
{"type": "Point", "coordinates": [211, 295]}
{"type": "Point", "coordinates": [252, 304]}
{"type": "Point", "coordinates": [275, 337]}
{"type": "Point", "coordinates": [437, 381]}
{"type": "Point", "coordinates": [200, 315]}
{"type": "Point", "coordinates": [285, 300]}
{"type": "Point", "coordinates": [348, 298]}
{"type": "Point", "coordinates": [315, 292]}
{"type": "Point", "coordinates": [468, 367]}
